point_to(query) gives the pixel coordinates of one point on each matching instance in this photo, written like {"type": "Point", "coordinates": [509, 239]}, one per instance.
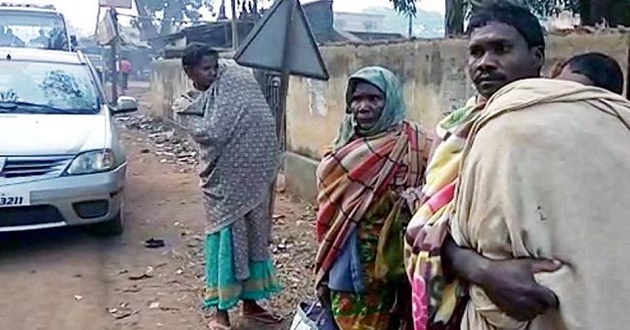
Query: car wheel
{"type": "Point", "coordinates": [113, 227]}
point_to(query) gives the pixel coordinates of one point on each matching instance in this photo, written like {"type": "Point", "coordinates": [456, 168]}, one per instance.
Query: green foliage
{"type": "Point", "coordinates": [551, 7]}
{"type": "Point", "coordinates": [178, 11]}
{"type": "Point", "coordinates": [160, 5]}
{"type": "Point", "coordinates": [175, 9]}
{"type": "Point", "coordinates": [172, 12]}
{"type": "Point", "coordinates": [405, 7]}
{"type": "Point", "coordinates": [591, 11]}
{"type": "Point", "coordinates": [540, 7]}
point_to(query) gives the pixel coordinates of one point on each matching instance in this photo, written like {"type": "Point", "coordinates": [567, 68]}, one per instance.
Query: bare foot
{"type": "Point", "coordinates": [253, 311]}
{"type": "Point", "coordinates": [220, 321]}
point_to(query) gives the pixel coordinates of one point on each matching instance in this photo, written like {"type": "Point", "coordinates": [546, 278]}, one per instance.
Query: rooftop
{"type": "Point", "coordinates": [343, 13]}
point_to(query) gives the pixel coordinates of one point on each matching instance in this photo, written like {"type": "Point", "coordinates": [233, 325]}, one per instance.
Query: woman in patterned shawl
{"type": "Point", "coordinates": [366, 187]}
{"type": "Point", "coordinates": [229, 119]}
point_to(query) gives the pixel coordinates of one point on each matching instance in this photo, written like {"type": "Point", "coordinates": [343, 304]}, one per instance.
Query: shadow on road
{"type": "Point", "coordinates": [21, 244]}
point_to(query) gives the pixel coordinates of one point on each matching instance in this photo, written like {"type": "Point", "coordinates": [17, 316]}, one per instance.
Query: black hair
{"type": "Point", "coordinates": [601, 69]}
{"type": "Point", "coordinates": [195, 52]}
{"type": "Point", "coordinates": [516, 16]}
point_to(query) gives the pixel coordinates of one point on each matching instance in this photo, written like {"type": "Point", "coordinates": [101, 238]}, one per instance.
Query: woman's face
{"type": "Point", "coordinates": [204, 73]}
{"type": "Point", "coordinates": [367, 104]}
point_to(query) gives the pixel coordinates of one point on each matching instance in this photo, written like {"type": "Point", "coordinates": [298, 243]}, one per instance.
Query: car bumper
{"type": "Point", "coordinates": [67, 201]}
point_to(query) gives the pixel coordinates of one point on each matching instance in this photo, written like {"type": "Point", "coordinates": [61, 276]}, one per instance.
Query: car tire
{"type": "Point", "coordinates": [113, 227]}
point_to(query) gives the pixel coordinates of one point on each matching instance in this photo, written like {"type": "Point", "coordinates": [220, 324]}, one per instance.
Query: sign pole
{"type": "Point", "coordinates": [234, 25]}
{"type": "Point", "coordinates": [281, 122]}
{"type": "Point", "coordinates": [284, 79]}
{"type": "Point", "coordinates": [263, 49]}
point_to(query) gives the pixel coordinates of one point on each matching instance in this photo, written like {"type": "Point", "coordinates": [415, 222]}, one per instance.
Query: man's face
{"type": "Point", "coordinates": [499, 55]}
{"type": "Point", "coordinates": [367, 104]}
{"type": "Point", "coordinates": [204, 74]}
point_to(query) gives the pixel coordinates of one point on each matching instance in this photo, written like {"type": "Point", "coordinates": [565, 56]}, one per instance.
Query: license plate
{"type": "Point", "coordinates": [13, 198]}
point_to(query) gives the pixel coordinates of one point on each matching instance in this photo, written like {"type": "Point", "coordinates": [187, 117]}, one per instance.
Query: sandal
{"type": "Point", "coordinates": [154, 243]}
{"type": "Point", "coordinates": [215, 325]}
{"type": "Point", "coordinates": [265, 317]}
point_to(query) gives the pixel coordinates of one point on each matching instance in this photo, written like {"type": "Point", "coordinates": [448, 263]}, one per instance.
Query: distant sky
{"type": "Point", "coordinates": [82, 13]}
{"type": "Point", "coordinates": [354, 6]}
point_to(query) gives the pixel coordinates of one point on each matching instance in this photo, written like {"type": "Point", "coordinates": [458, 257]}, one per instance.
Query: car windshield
{"type": "Point", "coordinates": [33, 30]}
{"type": "Point", "coordinates": [46, 88]}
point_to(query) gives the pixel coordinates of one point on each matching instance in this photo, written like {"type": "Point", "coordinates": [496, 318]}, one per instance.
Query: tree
{"type": "Point", "coordinates": [614, 12]}
{"type": "Point", "coordinates": [455, 13]}
{"type": "Point", "coordinates": [173, 12]}
{"type": "Point", "coordinates": [454, 17]}
{"type": "Point", "coordinates": [591, 12]}
{"type": "Point", "coordinates": [405, 7]}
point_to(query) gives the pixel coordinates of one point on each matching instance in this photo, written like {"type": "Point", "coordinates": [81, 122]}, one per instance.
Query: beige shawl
{"type": "Point", "coordinates": [546, 174]}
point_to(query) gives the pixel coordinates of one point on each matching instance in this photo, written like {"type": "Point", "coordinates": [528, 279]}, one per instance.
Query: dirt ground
{"type": "Point", "coordinates": [68, 279]}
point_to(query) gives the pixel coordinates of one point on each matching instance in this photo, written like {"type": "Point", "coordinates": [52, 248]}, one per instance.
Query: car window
{"type": "Point", "coordinates": [43, 87]}
{"type": "Point", "coordinates": [33, 30]}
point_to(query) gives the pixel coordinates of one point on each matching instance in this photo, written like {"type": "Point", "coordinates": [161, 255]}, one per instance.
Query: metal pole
{"type": "Point", "coordinates": [284, 78]}
{"type": "Point", "coordinates": [114, 54]}
{"type": "Point", "coordinates": [234, 26]}
{"type": "Point", "coordinates": [410, 26]}
{"type": "Point", "coordinates": [281, 115]}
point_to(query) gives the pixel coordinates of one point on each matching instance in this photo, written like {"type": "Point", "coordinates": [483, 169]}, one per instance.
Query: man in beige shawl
{"type": "Point", "coordinates": [544, 174]}
{"type": "Point", "coordinates": [506, 46]}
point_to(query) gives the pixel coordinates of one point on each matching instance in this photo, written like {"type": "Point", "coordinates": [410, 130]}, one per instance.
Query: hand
{"type": "Point", "coordinates": [511, 286]}
{"type": "Point", "coordinates": [323, 294]}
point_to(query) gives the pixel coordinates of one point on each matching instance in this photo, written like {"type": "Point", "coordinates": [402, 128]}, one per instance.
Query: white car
{"type": "Point", "coordinates": [61, 162]}
{"type": "Point", "coordinates": [33, 26]}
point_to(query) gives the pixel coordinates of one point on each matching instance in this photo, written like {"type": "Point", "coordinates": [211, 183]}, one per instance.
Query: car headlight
{"type": "Point", "coordinates": [92, 162]}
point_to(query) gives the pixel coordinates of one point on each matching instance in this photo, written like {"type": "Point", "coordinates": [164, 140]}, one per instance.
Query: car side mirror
{"type": "Point", "coordinates": [125, 104]}
{"type": "Point", "coordinates": [73, 41]}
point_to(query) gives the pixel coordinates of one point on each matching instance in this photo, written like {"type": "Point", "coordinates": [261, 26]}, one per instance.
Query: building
{"type": "Point", "coordinates": [217, 35]}
{"type": "Point", "coordinates": [564, 20]}
{"type": "Point", "coordinates": [321, 18]}
{"type": "Point", "coordinates": [359, 22]}
{"type": "Point", "coordinates": [329, 26]}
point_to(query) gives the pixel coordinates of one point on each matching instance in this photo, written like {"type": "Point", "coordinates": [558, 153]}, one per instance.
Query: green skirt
{"type": "Point", "coordinates": [223, 290]}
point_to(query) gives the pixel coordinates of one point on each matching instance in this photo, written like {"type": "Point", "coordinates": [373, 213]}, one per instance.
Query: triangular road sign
{"type": "Point", "coordinates": [284, 25]}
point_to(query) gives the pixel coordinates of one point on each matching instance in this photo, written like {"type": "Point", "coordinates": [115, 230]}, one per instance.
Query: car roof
{"type": "Point", "coordinates": [27, 7]}
{"type": "Point", "coordinates": [29, 10]}
{"type": "Point", "coordinates": [42, 55]}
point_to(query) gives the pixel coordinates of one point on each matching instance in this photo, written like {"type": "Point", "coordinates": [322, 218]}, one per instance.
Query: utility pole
{"type": "Point", "coordinates": [234, 26]}
{"type": "Point", "coordinates": [410, 26]}
{"type": "Point", "coordinates": [114, 54]}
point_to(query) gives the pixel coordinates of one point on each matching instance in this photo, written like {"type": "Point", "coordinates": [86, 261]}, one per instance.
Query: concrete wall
{"type": "Point", "coordinates": [433, 74]}
{"type": "Point", "coordinates": [168, 81]}
{"type": "Point", "coordinates": [434, 79]}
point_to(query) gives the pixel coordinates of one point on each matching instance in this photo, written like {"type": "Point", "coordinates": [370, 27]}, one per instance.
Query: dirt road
{"type": "Point", "coordinates": [67, 279]}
